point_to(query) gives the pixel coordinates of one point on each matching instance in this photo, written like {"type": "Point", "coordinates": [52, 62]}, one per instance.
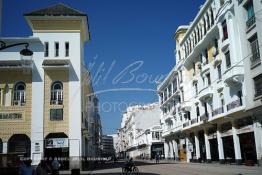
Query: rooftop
{"type": "Point", "coordinates": [59, 9]}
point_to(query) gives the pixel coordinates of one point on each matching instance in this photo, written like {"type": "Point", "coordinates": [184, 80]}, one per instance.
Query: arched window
{"type": "Point", "coordinates": [19, 94]}
{"type": "Point", "coordinates": [57, 93]}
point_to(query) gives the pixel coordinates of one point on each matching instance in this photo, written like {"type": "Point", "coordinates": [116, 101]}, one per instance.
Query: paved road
{"type": "Point", "coordinates": [147, 168]}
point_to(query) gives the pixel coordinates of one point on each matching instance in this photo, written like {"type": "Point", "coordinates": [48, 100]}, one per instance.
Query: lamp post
{"type": "Point", "coordinates": [24, 52]}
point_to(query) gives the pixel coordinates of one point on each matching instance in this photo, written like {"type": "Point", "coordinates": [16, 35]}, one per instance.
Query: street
{"type": "Point", "coordinates": [149, 168]}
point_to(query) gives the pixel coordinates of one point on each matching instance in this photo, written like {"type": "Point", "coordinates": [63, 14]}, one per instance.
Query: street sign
{"type": "Point", "coordinates": [56, 143]}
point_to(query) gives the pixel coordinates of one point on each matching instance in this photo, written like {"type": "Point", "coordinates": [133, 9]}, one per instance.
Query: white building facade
{"type": "Point", "coordinates": [211, 100]}
{"type": "Point", "coordinates": [140, 133]}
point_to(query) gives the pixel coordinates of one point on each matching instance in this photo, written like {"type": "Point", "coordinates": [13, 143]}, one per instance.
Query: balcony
{"type": "Point", "coordinates": [56, 97]}
{"type": "Point", "coordinates": [234, 104]}
{"type": "Point", "coordinates": [217, 111]}
{"type": "Point", "coordinates": [250, 24]}
{"type": "Point", "coordinates": [206, 93]}
{"type": "Point", "coordinates": [234, 75]}
{"type": "Point", "coordinates": [24, 64]}
{"type": "Point", "coordinates": [186, 106]}
{"type": "Point", "coordinates": [205, 67]}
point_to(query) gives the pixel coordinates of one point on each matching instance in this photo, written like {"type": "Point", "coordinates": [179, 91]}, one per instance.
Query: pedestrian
{"type": "Point", "coordinates": [26, 168]}
{"type": "Point", "coordinates": [42, 168]}
{"type": "Point", "coordinates": [157, 158]}
{"type": "Point", "coordinates": [55, 166]}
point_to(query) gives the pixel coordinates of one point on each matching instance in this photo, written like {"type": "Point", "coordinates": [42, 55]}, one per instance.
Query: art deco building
{"type": "Point", "coordinates": [211, 100]}
{"type": "Point", "coordinates": [44, 99]}
{"type": "Point", "coordinates": [140, 133]}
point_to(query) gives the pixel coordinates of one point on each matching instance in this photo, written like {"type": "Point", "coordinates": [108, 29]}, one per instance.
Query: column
{"type": "Point", "coordinates": [166, 149]}
{"type": "Point", "coordinates": [171, 150]}
{"type": "Point", "coordinates": [188, 150]}
{"type": "Point", "coordinates": [236, 144]}
{"type": "Point", "coordinates": [1, 97]}
{"type": "Point", "coordinates": [207, 144]}
{"type": "Point", "coordinates": [220, 147]}
{"type": "Point", "coordinates": [176, 156]}
{"type": "Point", "coordinates": [258, 141]}
{"type": "Point", "coordinates": [4, 147]}
{"type": "Point", "coordinates": [197, 146]}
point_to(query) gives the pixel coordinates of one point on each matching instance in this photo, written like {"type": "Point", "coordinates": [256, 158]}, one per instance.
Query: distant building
{"type": "Point", "coordinates": [107, 146]}
{"type": "Point", "coordinates": [140, 132]}
{"type": "Point", "coordinates": [115, 139]}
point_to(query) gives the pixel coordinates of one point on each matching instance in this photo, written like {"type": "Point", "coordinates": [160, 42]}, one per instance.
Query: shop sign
{"type": "Point", "coordinates": [57, 143]}
{"type": "Point", "coordinates": [10, 116]}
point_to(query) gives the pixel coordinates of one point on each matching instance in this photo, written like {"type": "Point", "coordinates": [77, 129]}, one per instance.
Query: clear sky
{"type": "Point", "coordinates": [131, 45]}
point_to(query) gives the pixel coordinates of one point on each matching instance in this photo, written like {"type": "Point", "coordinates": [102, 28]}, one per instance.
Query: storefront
{"type": "Point", "coordinates": [157, 148]}
{"type": "Point", "coordinates": [21, 144]}
{"type": "Point", "coordinates": [57, 146]}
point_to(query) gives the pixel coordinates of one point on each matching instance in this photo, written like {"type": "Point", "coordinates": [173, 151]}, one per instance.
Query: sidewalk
{"type": "Point", "coordinates": [215, 164]}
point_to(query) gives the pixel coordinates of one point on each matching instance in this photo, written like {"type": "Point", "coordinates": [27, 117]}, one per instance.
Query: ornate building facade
{"type": "Point", "coordinates": [211, 100]}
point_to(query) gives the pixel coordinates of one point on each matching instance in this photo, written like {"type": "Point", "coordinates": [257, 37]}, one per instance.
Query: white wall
{"type": "Point", "coordinates": [74, 40]}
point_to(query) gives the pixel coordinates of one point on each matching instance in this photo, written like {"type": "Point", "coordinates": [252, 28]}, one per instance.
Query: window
{"type": "Point", "coordinates": [222, 103]}
{"type": "Point", "coordinates": [182, 95]}
{"type": "Point", "coordinates": [179, 55]}
{"type": "Point", "coordinates": [216, 47]}
{"type": "Point", "coordinates": [212, 16]}
{"type": "Point", "coordinates": [222, 2]}
{"type": "Point", "coordinates": [239, 95]}
{"type": "Point", "coordinates": [46, 49]}
{"type": "Point", "coordinates": [195, 37]}
{"type": "Point", "coordinates": [194, 68]}
{"type": "Point", "coordinates": [196, 89]}
{"type": "Point", "coordinates": [208, 22]}
{"type": "Point", "coordinates": [250, 9]}
{"type": "Point", "coordinates": [19, 94]}
{"type": "Point", "coordinates": [57, 93]}
{"type": "Point", "coordinates": [251, 20]}
{"type": "Point", "coordinates": [258, 85]}
{"type": "Point", "coordinates": [225, 33]}
{"type": "Point", "coordinates": [67, 49]}
{"type": "Point", "coordinates": [205, 26]}
{"type": "Point", "coordinates": [219, 71]}
{"type": "Point", "coordinates": [254, 45]}
{"type": "Point", "coordinates": [56, 49]}
{"type": "Point", "coordinates": [228, 61]}
{"type": "Point", "coordinates": [208, 79]}
{"type": "Point", "coordinates": [205, 105]}
{"type": "Point", "coordinates": [206, 56]}
{"type": "Point", "coordinates": [56, 114]}
{"type": "Point", "coordinates": [174, 85]}
{"type": "Point", "coordinates": [197, 111]}
{"type": "Point", "coordinates": [198, 35]}
{"type": "Point", "coordinates": [181, 76]}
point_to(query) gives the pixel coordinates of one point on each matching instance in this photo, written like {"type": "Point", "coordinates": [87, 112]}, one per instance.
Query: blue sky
{"type": "Point", "coordinates": [131, 45]}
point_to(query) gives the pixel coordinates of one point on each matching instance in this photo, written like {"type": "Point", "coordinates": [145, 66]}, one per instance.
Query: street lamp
{"type": "Point", "coordinates": [24, 52]}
